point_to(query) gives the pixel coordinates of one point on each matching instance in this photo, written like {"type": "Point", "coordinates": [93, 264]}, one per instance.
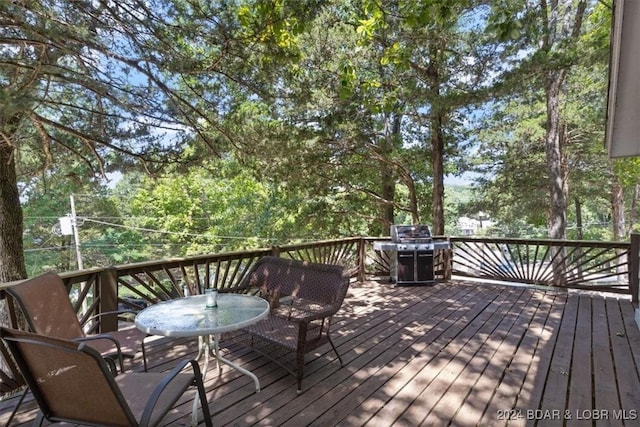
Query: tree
{"type": "Point", "coordinates": [522, 173]}
{"type": "Point", "coordinates": [444, 60]}
{"type": "Point", "coordinates": [553, 29]}
{"type": "Point", "coordinates": [45, 198]}
{"type": "Point", "coordinates": [562, 23]}
{"type": "Point", "coordinates": [64, 68]}
{"type": "Point", "coordinates": [109, 83]}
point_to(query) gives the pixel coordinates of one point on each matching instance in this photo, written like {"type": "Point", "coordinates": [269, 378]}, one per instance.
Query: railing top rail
{"type": "Point", "coordinates": [318, 243]}
{"type": "Point", "coordinates": [371, 239]}
{"type": "Point", "coordinates": [196, 259]}
{"type": "Point", "coordinates": [549, 242]}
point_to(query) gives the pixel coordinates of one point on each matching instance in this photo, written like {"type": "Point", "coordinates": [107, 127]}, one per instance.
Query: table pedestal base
{"type": "Point", "coordinates": [206, 349]}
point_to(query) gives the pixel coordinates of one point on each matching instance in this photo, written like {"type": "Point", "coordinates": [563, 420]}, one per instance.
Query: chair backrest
{"type": "Point", "coordinates": [44, 300]}
{"type": "Point", "coordinates": [70, 381]}
{"type": "Point", "coordinates": [324, 283]}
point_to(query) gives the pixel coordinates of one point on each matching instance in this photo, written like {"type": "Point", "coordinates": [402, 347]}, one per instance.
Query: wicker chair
{"type": "Point", "coordinates": [303, 296]}
{"type": "Point", "coordinates": [71, 382]}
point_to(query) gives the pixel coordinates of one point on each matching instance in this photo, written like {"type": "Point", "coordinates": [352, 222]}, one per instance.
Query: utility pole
{"type": "Point", "coordinates": [76, 235]}
{"type": "Point", "coordinates": [76, 238]}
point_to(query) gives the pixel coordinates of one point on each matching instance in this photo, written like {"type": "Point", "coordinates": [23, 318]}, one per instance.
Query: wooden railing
{"type": "Point", "coordinates": [634, 271]}
{"type": "Point", "coordinates": [576, 264]}
{"type": "Point", "coordinates": [604, 266]}
{"type": "Point", "coordinates": [134, 286]}
{"type": "Point", "coordinates": [573, 264]}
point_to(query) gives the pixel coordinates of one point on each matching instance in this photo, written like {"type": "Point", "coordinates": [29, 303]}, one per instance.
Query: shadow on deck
{"type": "Point", "coordinates": [457, 353]}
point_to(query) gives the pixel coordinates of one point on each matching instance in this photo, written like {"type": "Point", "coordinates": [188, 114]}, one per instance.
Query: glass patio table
{"type": "Point", "coordinates": [189, 317]}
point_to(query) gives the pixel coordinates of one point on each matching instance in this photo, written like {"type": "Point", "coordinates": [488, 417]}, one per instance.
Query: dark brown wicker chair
{"type": "Point", "coordinates": [303, 296]}
{"type": "Point", "coordinates": [45, 303]}
{"type": "Point", "coordinates": [71, 382]}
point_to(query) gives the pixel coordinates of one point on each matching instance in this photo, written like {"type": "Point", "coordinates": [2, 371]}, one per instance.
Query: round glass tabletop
{"type": "Point", "coordinates": [187, 317]}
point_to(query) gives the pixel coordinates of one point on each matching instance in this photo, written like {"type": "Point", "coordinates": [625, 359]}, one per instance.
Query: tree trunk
{"type": "Point", "coordinates": [557, 219]}
{"type": "Point", "coordinates": [633, 212]}
{"type": "Point", "coordinates": [579, 225]}
{"type": "Point", "coordinates": [437, 123]}
{"type": "Point", "coordinates": [12, 265]}
{"type": "Point", "coordinates": [388, 193]}
{"type": "Point", "coordinates": [437, 164]}
{"type": "Point", "coordinates": [617, 212]}
{"type": "Point", "coordinates": [560, 25]}
{"type": "Point", "coordinates": [388, 183]}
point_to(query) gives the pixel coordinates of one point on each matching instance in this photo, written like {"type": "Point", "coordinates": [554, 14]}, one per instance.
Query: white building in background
{"type": "Point", "coordinates": [471, 226]}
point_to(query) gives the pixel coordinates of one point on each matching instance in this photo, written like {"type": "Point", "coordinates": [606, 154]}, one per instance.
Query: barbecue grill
{"type": "Point", "coordinates": [411, 254]}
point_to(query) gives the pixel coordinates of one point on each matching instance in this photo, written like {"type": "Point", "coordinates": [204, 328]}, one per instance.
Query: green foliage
{"type": "Point", "coordinates": [246, 123]}
{"type": "Point", "coordinates": [46, 198]}
{"type": "Point", "coordinates": [512, 145]}
{"type": "Point", "coordinates": [221, 206]}
{"type": "Point", "coordinates": [503, 23]}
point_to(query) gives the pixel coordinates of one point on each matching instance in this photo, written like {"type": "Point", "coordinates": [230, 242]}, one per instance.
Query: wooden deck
{"type": "Point", "coordinates": [458, 353]}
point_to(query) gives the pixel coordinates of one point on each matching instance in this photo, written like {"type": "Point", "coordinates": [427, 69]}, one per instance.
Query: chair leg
{"type": "Point", "coordinates": [39, 419]}
{"type": "Point", "coordinates": [15, 408]}
{"type": "Point", "coordinates": [112, 365]}
{"type": "Point", "coordinates": [144, 356]}
{"type": "Point", "coordinates": [121, 361]}
{"type": "Point", "coordinates": [204, 405]}
{"type": "Point", "coordinates": [299, 369]}
{"type": "Point", "coordinates": [335, 350]}
{"type": "Point", "coordinates": [300, 352]}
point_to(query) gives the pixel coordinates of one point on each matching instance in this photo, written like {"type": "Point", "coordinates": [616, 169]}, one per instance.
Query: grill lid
{"type": "Point", "coordinates": [410, 233]}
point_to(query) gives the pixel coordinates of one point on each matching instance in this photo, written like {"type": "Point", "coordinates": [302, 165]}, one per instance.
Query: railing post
{"type": "Point", "coordinates": [275, 251]}
{"type": "Point", "coordinates": [362, 254]}
{"type": "Point", "coordinates": [634, 268]}
{"type": "Point", "coordinates": [448, 261]}
{"type": "Point", "coordinates": [107, 288]}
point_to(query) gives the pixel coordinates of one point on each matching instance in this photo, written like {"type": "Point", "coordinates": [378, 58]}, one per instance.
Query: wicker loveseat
{"type": "Point", "coordinates": [303, 297]}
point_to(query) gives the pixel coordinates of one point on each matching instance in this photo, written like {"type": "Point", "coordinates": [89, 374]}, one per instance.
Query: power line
{"type": "Point", "coordinates": [55, 217]}
{"type": "Point", "coordinates": [178, 233]}
{"type": "Point", "coordinates": [104, 245]}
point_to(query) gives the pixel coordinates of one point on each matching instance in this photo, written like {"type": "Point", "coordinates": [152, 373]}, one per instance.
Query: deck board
{"type": "Point", "coordinates": [371, 391]}
{"type": "Point", "coordinates": [450, 363]}
{"type": "Point", "coordinates": [381, 362]}
{"type": "Point", "coordinates": [580, 384]}
{"type": "Point", "coordinates": [510, 371]}
{"type": "Point", "coordinates": [487, 371]}
{"type": "Point", "coordinates": [626, 370]}
{"type": "Point", "coordinates": [403, 387]}
{"type": "Point", "coordinates": [557, 381]}
{"type": "Point", "coordinates": [399, 372]}
{"type": "Point", "coordinates": [459, 353]}
{"type": "Point", "coordinates": [605, 396]}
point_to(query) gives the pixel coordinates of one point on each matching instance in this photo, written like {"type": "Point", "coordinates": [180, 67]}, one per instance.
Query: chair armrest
{"type": "Point", "coordinates": [100, 337]}
{"type": "Point", "coordinates": [160, 388]}
{"type": "Point", "coordinates": [96, 316]}
{"type": "Point", "coordinates": [107, 337]}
